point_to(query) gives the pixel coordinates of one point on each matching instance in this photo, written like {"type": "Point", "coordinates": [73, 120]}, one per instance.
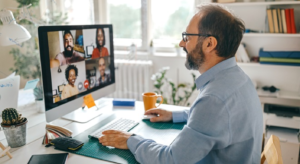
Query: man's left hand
{"type": "Point", "coordinates": [115, 138]}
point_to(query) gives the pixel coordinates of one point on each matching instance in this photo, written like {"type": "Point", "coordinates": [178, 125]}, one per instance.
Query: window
{"type": "Point", "coordinates": [134, 21]}
{"type": "Point", "coordinates": [167, 19]}
{"type": "Point", "coordinates": [167, 27]}
{"type": "Point", "coordinates": [79, 12]}
{"type": "Point", "coordinates": [126, 19]}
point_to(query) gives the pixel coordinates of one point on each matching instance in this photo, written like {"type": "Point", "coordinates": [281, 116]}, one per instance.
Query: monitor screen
{"type": "Point", "coordinates": [75, 60]}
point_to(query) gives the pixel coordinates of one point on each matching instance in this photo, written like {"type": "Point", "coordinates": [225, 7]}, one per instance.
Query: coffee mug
{"type": "Point", "coordinates": [149, 99]}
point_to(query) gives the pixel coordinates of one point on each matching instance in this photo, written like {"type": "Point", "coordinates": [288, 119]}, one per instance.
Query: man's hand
{"type": "Point", "coordinates": [115, 138]}
{"type": "Point", "coordinates": [163, 115]}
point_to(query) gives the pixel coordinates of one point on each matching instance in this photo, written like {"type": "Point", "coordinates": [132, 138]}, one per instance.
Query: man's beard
{"type": "Point", "coordinates": [195, 58]}
{"type": "Point", "coordinates": [68, 53]}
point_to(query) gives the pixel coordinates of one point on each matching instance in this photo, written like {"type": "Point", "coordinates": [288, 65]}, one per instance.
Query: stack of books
{"type": "Point", "coordinates": [53, 131]}
{"type": "Point", "coordinates": [291, 58]}
{"type": "Point", "coordinates": [281, 21]}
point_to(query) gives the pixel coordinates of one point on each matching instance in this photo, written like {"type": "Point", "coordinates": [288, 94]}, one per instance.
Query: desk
{"type": "Point", "coordinates": [36, 131]}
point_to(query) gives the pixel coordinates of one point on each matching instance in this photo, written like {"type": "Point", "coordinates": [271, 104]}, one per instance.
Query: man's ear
{"type": "Point", "coordinates": [210, 44]}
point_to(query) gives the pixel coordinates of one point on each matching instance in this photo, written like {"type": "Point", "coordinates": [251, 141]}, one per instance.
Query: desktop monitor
{"type": "Point", "coordinates": [75, 60]}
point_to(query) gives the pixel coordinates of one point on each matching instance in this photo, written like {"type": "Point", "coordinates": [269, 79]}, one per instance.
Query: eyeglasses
{"type": "Point", "coordinates": [184, 35]}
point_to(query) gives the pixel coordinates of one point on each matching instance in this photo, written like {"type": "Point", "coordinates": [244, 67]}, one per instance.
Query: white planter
{"type": "Point", "coordinates": [178, 51]}
{"type": "Point", "coordinates": [40, 106]}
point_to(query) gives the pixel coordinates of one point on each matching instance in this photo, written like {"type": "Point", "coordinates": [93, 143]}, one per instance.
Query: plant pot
{"type": "Point", "coordinates": [178, 51]}
{"type": "Point", "coordinates": [15, 134]}
{"type": "Point", "coordinates": [151, 50]}
{"type": "Point", "coordinates": [40, 106]}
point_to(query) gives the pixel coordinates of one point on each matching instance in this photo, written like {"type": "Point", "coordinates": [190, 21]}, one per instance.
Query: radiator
{"type": "Point", "coordinates": [133, 77]}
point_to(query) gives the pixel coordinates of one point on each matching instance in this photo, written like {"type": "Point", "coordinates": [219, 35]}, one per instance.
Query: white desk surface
{"type": "Point", "coordinates": [36, 131]}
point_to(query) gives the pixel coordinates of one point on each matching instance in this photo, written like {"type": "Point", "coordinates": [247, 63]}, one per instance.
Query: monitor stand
{"type": "Point", "coordinates": [86, 114]}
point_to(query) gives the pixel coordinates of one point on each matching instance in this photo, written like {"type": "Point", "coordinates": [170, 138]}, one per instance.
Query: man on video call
{"type": "Point", "coordinates": [68, 55]}
{"type": "Point", "coordinates": [225, 122]}
{"type": "Point", "coordinates": [104, 77]}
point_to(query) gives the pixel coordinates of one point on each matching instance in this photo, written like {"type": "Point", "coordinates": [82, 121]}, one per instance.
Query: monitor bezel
{"type": "Point", "coordinates": [77, 100]}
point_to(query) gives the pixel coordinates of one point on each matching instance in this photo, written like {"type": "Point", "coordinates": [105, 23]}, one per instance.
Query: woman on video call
{"type": "Point", "coordinates": [70, 89]}
{"type": "Point", "coordinates": [100, 50]}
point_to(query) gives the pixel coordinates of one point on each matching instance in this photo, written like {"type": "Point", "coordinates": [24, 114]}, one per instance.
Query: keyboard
{"type": "Point", "coordinates": [118, 124]}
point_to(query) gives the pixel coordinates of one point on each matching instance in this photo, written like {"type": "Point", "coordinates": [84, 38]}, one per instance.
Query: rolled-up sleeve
{"type": "Point", "coordinates": [207, 129]}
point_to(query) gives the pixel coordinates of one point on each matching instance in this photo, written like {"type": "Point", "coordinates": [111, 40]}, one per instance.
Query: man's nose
{"type": "Point", "coordinates": [182, 43]}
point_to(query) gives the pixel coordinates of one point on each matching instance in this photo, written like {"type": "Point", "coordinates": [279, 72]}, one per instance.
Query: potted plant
{"type": "Point", "coordinates": [178, 49]}
{"type": "Point", "coordinates": [38, 94]}
{"type": "Point", "coordinates": [14, 126]}
{"type": "Point", "coordinates": [151, 49]}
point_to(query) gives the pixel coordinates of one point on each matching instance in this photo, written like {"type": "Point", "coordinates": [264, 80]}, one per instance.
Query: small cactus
{"type": "Point", "coordinates": [10, 116]}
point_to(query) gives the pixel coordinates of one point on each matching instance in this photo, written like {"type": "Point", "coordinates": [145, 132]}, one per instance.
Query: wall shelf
{"type": "Point", "coordinates": [262, 3]}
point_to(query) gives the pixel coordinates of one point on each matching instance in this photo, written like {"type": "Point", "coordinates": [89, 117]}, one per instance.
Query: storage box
{"type": "Point", "coordinates": [289, 142]}
{"type": "Point", "coordinates": [279, 54]}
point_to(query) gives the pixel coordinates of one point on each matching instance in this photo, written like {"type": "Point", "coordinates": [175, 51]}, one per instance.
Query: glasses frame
{"type": "Point", "coordinates": [185, 40]}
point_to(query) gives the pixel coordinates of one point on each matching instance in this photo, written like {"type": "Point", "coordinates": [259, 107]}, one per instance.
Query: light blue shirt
{"type": "Point", "coordinates": [224, 124]}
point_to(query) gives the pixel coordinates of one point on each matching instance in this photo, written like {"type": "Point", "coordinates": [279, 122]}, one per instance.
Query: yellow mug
{"type": "Point", "coordinates": [150, 98]}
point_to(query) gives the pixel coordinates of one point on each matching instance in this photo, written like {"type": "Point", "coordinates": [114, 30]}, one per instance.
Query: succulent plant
{"type": "Point", "coordinates": [10, 116]}
{"type": "Point", "coordinates": [38, 92]}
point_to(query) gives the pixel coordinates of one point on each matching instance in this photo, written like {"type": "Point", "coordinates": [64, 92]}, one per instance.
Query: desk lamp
{"type": "Point", "coordinates": [11, 32]}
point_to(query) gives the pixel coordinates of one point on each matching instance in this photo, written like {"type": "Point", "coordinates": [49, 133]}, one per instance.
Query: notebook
{"type": "Point", "coordinates": [49, 158]}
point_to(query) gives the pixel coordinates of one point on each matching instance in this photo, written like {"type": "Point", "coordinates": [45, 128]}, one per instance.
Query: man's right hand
{"type": "Point", "coordinates": [163, 115]}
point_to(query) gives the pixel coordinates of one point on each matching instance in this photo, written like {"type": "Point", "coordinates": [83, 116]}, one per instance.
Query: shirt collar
{"type": "Point", "coordinates": [209, 74]}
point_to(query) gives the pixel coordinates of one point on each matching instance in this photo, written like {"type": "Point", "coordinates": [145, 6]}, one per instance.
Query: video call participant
{"type": "Point", "coordinates": [104, 78]}
{"type": "Point", "coordinates": [70, 89]}
{"type": "Point", "coordinates": [100, 50]}
{"type": "Point", "coordinates": [68, 55]}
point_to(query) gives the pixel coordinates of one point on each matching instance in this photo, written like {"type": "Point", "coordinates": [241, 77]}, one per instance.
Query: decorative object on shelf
{"type": "Point", "coordinates": [175, 99]}
{"type": "Point", "coordinates": [5, 151]}
{"type": "Point", "coordinates": [151, 49]}
{"type": "Point", "coordinates": [242, 55]}
{"type": "Point", "coordinates": [271, 89]}
{"type": "Point", "coordinates": [14, 126]}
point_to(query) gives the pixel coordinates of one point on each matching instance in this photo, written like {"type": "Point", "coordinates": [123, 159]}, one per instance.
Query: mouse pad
{"type": "Point", "coordinates": [165, 133]}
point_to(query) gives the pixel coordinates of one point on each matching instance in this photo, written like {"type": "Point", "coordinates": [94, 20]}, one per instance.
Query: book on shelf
{"type": "Point", "coordinates": [279, 21]}
{"type": "Point", "coordinates": [53, 131]}
{"type": "Point", "coordinates": [275, 20]}
{"type": "Point", "coordinates": [60, 158]}
{"type": "Point", "coordinates": [270, 20]}
{"type": "Point", "coordinates": [288, 21]}
{"type": "Point", "coordinates": [293, 21]}
{"type": "Point", "coordinates": [283, 20]}
{"type": "Point", "coordinates": [281, 60]}
{"type": "Point", "coordinates": [242, 55]}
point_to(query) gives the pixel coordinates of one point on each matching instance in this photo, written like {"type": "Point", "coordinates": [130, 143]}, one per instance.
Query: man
{"type": "Point", "coordinates": [224, 124]}
{"type": "Point", "coordinates": [68, 55]}
{"type": "Point", "coordinates": [104, 78]}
